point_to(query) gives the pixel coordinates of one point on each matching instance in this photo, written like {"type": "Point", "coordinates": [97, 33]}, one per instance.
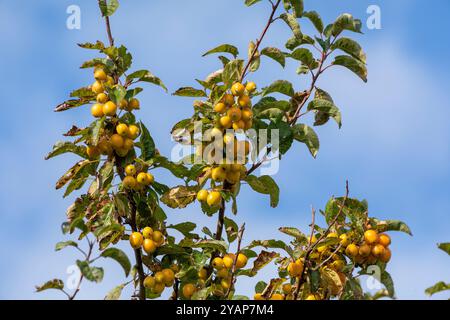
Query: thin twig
{"type": "Point", "coordinates": [88, 256]}
{"type": "Point", "coordinates": [233, 269]}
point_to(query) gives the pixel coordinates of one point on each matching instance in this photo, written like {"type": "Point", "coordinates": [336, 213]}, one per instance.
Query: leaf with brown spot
{"type": "Point", "coordinates": [71, 173]}
{"type": "Point", "coordinates": [179, 197]}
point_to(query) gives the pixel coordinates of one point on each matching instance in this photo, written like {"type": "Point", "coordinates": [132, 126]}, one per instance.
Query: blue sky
{"type": "Point", "coordinates": [393, 148]}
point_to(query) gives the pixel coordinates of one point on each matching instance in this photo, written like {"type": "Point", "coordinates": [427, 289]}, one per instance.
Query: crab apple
{"type": "Point", "coordinates": [97, 110]}
{"type": "Point", "coordinates": [352, 250]}
{"type": "Point", "coordinates": [287, 288]}
{"type": "Point", "coordinates": [225, 283]}
{"type": "Point", "coordinates": [220, 107]}
{"type": "Point", "coordinates": [130, 170]}
{"type": "Point", "coordinates": [244, 101]}
{"type": "Point", "coordinates": [150, 178]}
{"type": "Point", "coordinates": [136, 240]}
{"type": "Point", "coordinates": [237, 89]}
{"type": "Point", "coordinates": [203, 273]}
{"type": "Point", "coordinates": [128, 144]}
{"type": "Point", "coordinates": [122, 152]}
{"type": "Point", "coordinates": [159, 288]}
{"type": "Point", "coordinates": [378, 250]}
{"type": "Point", "coordinates": [365, 250]}
{"type": "Point", "coordinates": [225, 122]}
{"type": "Point", "coordinates": [169, 275]}
{"type": "Point", "coordinates": [371, 236]}
{"type": "Point", "coordinates": [214, 198]}
{"type": "Point", "coordinates": [147, 232]}
{"type": "Point", "coordinates": [123, 105]}
{"type": "Point", "coordinates": [258, 296]}
{"type": "Point", "coordinates": [100, 75]}
{"type": "Point", "coordinates": [102, 98]}
{"type": "Point", "coordinates": [228, 99]}
{"type": "Point", "coordinates": [143, 178]}
{"type": "Point", "coordinates": [104, 147]}
{"type": "Point", "coordinates": [202, 195]}
{"type": "Point", "coordinates": [241, 261]}
{"type": "Point", "coordinates": [228, 261]}
{"type": "Point", "coordinates": [122, 129]}
{"type": "Point", "coordinates": [92, 152]}
{"type": "Point", "coordinates": [158, 237]}
{"type": "Point", "coordinates": [134, 104]}
{"type": "Point", "coordinates": [386, 256]}
{"type": "Point", "coordinates": [149, 282]}
{"type": "Point", "coordinates": [295, 269]}
{"type": "Point", "coordinates": [129, 182]}
{"type": "Point", "coordinates": [344, 241]}
{"type": "Point", "coordinates": [133, 132]}
{"type": "Point", "coordinates": [97, 87]}
{"type": "Point", "coordinates": [188, 290]}
{"type": "Point", "coordinates": [218, 174]}
{"type": "Point", "coordinates": [384, 240]}
{"type": "Point", "coordinates": [235, 114]}
{"type": "Point", "coordinates": [223, 273]}
{"type": "Point", "coordinates": [109, 81]}
{"type": "Point", "coordinates": [277, 296]}
{"type": "Point", "coordinates": [117, 141]}
{"type": "Point", "coordinates": [217, 263]}
{"type": "Point", "coordinates": [250, 87]}
{"type": "Point", "coordinates": [149, 246]}
{"type": "Point", "coordinates": [110, 108]}
{"type": "Point", "coordinates": [246, 114]}
{"type": "Point", "coordinates": [239, 125]}
{"type": "Point", "coordinates": [233, 177]}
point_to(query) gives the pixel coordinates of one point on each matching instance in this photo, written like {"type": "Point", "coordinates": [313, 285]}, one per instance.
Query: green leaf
{"type": "Point", "coordinates": [249, 3]}
{"type": "Point", "coordinates": [294, 232]}
{"type": "Point", "coordinates": [438, 287]}
{"type": "Point", "coordinates": [270, 108]}
{"type": "Point", "coordinates": [315, 18]}
{"type": "Point", "coordinates": [256, 60]}
{"type": "Point", "coordinates": [108, 7]}
{"type": "Point", "coordinates": [308, 136]}
{"type": "Point", "coordinates": [93, 46]}
{"type": "Point", "coordinates": [115, 293]}
{"type": "Point", "coordinates": [326, 107]}
{"type": "Point", "coordinates": [85, 92]}
{"type": "Point", "coordinates": [71, 173]}
{"type": "Point", "coordinates": [185, 228]}
{"type": "Point", "coordinates": [263, 259]}
{"type": "Point", "coordinates": [179, 197]}
{"type": "Point", "coordinates": [387, 281]}
{"type": "Point", "coordinates": [231, 229]}
{"type": "Point", "coordinates": [393, 225]}
{"type": "Point", "coordinates": [147, 144]}
{"type": "Point", "coordinates": [279, 86]}
{"type": "Point", "coordinates": [273, 244]}
{"type": "Point", "coordinates": [285, 135]}
{"type": "Point", "coordinates": [297, 7]}
{"type": "Point", "coordinates": [96, 130]}
{"type": "Point", "coordinates": [294, 42]}
{"type": "Point", "coordinates": [189, 92]}
{"type": "Point", "coordinates": [445, 247]}
{"type": "Point", "coordinates": [67, 147]}
{"type": "Point", "coordinates": [260, 286]}
{"type": "Point", "coordinates": [117, 94]}
{"type": "Point", "coordinates": [61, 245]}
{"type": "Point", "coordinates": [120, 257]}
{"type": "Point", "coordinates": [350, 47]}
{"type": "Point", "coordinates": [265, 185]}
{"type": "Point", "coordinates": [304, 56]}
{"type": "Point", "coordinates": [56, 284]}
{"type": "Point", "coordinates": [292, 22]}
{"type": "Point", "coordinates": [232, 72]}
{"type": "Point", "coordinates": [345, 22]}
{"type": "Point", "coordinates": [275, 54]}
{"type": "Point", "coordinates": [227, 48]}
{"type": "Point", "coordinates": [93, 274]}
{"type": "Point", "coordinates": [213, 245]}
{"type": "Point", "coordinates": [146, 76]}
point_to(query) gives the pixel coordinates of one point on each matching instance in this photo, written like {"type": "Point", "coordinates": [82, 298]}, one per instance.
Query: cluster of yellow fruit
{"type": "Point", "coordinates": [160, 280]}
{"type": "Point", "coordinates": [235, 108]}
{"type": "Point", "coordinates": [136, 181]}
{"type": "Point", "coordinates": [374, 247]}
{"type": "Point", "coordinates": [149, 240]}
{"type": "Point", "coordinates": [104, 106]}
{"type": "Point", "coordinates": [224, 267]}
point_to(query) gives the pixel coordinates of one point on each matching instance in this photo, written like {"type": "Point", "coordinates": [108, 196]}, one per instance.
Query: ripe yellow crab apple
{"type": "Point", "coordinates": [352, 250]}
{"type": "Point", "coordinates": [149, 282]}
{"type": "Point", "coordinates": [158, 288]}
{"type": "Point", "coordinates": [378, 250]}
{"type": "Point", "coordinates": [109, 81]}
{"type": "Point", "coordinates": [237, 89]}
{"type": "Point", "coordinates": [133, 132]}
{"type": "Point", "coordinates": [159, 277]}
{"type": "Point", "coordinates": [287, 288]}
{"type": "Point", "coordinates": [169, 276]}
{"type": "Point", "coordinates": [225, 122]}
{"type": "Point", "coordinates": [128, 144]}
{"type": "Point", "coordinates": [250, 87]}
{"type": "Point", "coordinates": [158, 237]}
{"type": "Point", "coordinates": [246, 114]}
{"type": "Point", "coordinates": [248, 124]}
{"type": "Point", "coordinates": [277, 296]}
{"type": "Point", "coordinates": [218, 174]}
{"type": "Point", "coordinates": [228, 261]}
{"type": "Point", "coordinates": [203, 274]}
{"type": "Point", "coordinates": [134, 104]}
{"type": "Point", "coordinates": [384, 240]}
{"type": "Point", "coordinates": [104, 147]}
{"type": "Point", "coordinates": [150, 178]}
{"type": "Point", "coordinates": [258, 296]}
{"type": "Point", "coordinates": [234, 113]}
{"type": "Point", "coordinates": [109, 109]}
{"type": "Point", "coordinates": [149, 246]}
{"type": "Point", "coordinates": [188, 290]}
{"type": "Point", "coordinates": [97, 110]}
{"type": "Point", "coordinates": [97, 87]}
{"type": "Point", "coordinates": [100, 75]}
{"type": "Point", "coordinates": [228, 99]}
{"type": "Point", "coordinates": [136, 240]}
{"type": "Point", "coordinates": [142, 178]}
{"type": "Point", "coordinates": [117, 141]}
{"type": "Point", "coordinates": [123, 105]}
{"type": "Point", "coordinates": [217, 263]}
{"type": "Point", "coordinates": [364, 250]}
{"type": "Point", "coordinates": [223, 273]}
{"type": "Point", "coordinates": [147, 232]}
{"type": "Point", "coordinates": [130, 170]}
{"type": "Point", "coordinates": [239, 125]}
{"type": "Point", "coordinates": [102, 98]}
{"type": "Point", "coordinates": [92, 152]}
{"type": "Point", "coordinates": [129, 182]}
{"type": "Point", "coordinates": [202, 195]}
{"type": "Point", "coordinates": [220, 107]}
{"type": "Point", "coordinates": [295, 269]}
{"type": "Point", "coordinates": [122, 129]}
{"type": "Point", "coordinates": [371, 236]}
{"type": "Point", "coordinates": [122, 152]}
{"type": "Point", "coordinates": [386, 256]}
{"type": "Point", "coordinates": [244, 101]}
{"type": "Point", "coordinates": [344, 241]}
{"type": "Point", "coordinates": [214, 198]}
{"type": "Point", "coordinates": [233, 177]}
{"type": "Point", "coordinates": [241, 261]}
{"type": "Point", "coordinates": [225, 283]}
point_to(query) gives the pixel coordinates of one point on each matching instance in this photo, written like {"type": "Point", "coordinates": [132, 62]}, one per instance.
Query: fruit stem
{"type": "Point", "coordinates": [108, 25]}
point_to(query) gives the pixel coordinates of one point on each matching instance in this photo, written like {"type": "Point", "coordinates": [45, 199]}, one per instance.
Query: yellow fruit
{"type": "Point", "coordinates": [322, 249]}
{"type": "Point", "coordinates": [133, 132]}
{"type": "Point", "coordinates": [158, 237]}
{"type": "Point", "coordinates": [218, 174]}
{"type": "Point", "coordinates": [100, 75]}
{"type": "Point", "coordinates": [234, 113]}
{"type": "Point", "coordinates": [338, 265]}
{"type": "Point", "coordinates": [225, 122]}
{"type": "Point", "coordinates": [203, 274]}
{"type": "Point", "coordinates": [239, 125]}
{"type": "Point", "coordinates": [241, 261]}
{"type": "Point", "coordinates": [233, 177]}
{"type": "Point", "coordinates": [332, 235]}
{"type": "Point", "coordinates": [277, 296]}
{"type": "Point", "coordinates": [386, 256]}
{"type": "Point", "coordinates": [313, 239]}
{"type": "Point", "coordinates": [123, 105]}
{"type": "Point", "coordinates": [97, 87]}
{"type": "Point", "coordinates": [246, 114]}
{"type": "Point", "coordinates": [244, 101]}
{"type": "Point", "coordinates": [150, 178]}
{"type": "Point", "coordinates": [202, 195]}
{"type": "Point", "coordinates": [250, 87]}
{"type": "Point", "coordinates": [217, 263]}
{"type": "Point", "coordinates": [136, 240]}
{"type": "Point", "coordinates": [92, 152]}
{"type": "Point", "coordinates": [159, 288]}
{"type": "Point", "coordinates": [102, 98]}
{"type": "Point", "coordinates": [147, 232]}
{"type": "Point", "coordinates": [384, 240]}
{"type": "Point", "coordinates": [122, 152]}
{"type": "Point", "coordinates": [248, 124]}
{"type": "Point", "coordinates": [122, 129]}
{"type": "Point", "coordinates": [128, 144]}
{"type": "Point", "coordinates": [109, 109]}
{"type": "Point", "coordinates": [228, 99]}
{"type": "Point", "coordinates": [311, 297]}
{"type": "Point", "coordinates": [378, 250]}
{"type": "Point", "coordinates": [109, 81]}
{"type": "Point", "coordinates": [237, 89]}
{"type": "Point", "coordinates": [130, 170]}
{"type": "Point", "coordinates": [352, 250]}
{"type": "Point", "coordinates": [225, 283]}
{"type": "Point", "coordinates": [117, 141]}
{"type": "Point", "coordinates": [223, 273]}
{"type": "Point", "coordinates": [129, 182]}
{"type": "Point", "coordinates": [149, 282]}
{"type": "Point", "coordinates": [372, 259]}
{"type": "Point", "coordinates": [295, 269]}
{"type": "Point", "coordinates": [169, 276]}
{"type": "Point", "coordinates": [344, 240]}
{"type": "Point", "coordinates": [214, 198]}
{"type": "Point", "coordinates": [149, 246]}
{"type": "Point", "coordinates": [258, 296]}
{"type": "Point", "coordinates": [220, 107]}
{"type": "Point", "coordinates": [188, 290]}
{"type": "Point", "coordinates": [159, 277]}
{"type": "Point", "coordinates": [287, 288]}
{"type": "Point", "coordinates": [104, 147]}
{"type": "Point", "coordinates": [371, 236]}
{"type": "Point", "coordinates": [134, 104]}
{"type": "Point", "coordinates": [143, 178]}
{"type": "Point", "coordinates": [97, 110]}
{"type": "Point", "coordinates": [228, 261]}
{"type": "Point", "coordinates": [364, 250]}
